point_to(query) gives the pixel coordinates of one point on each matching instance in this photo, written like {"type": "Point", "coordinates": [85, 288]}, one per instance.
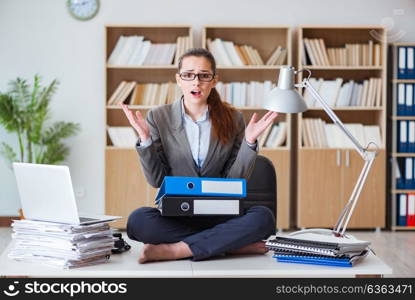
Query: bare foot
{"type": "Point", "coordinates": [254, 248]}
{"type": "Point", "coordinates": [164, 252]}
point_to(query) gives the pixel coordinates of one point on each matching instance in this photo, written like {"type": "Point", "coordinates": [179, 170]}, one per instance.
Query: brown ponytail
{"type": "Point", "coordinates": [221, 113]}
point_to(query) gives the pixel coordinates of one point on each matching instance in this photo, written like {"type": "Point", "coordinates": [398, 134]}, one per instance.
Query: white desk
{"type": "Point", "coordinates": [126, 265]}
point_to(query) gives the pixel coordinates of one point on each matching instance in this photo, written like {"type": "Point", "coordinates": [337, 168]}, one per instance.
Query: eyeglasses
{"type": "Point", "coordinates": [205, 77]}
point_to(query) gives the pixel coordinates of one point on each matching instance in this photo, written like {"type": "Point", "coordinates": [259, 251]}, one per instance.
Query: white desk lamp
{"type": "Point", "coordinates": [285, 99]}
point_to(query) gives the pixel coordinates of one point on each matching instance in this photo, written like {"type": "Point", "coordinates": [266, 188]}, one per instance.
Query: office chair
{"type": "Point", "coordinates": [262, 185]}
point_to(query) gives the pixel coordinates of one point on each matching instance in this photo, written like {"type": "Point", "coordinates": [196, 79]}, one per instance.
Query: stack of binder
{"type": "Point", "coordinates": [61, 245]}
{"type": "Point", "coordinates": [318, 249]}
{"type": "Point", "coordinates": [200, 196]}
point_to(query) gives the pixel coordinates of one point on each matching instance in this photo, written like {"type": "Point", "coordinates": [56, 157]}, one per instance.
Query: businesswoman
{"type": "Point", "coordinates": [198, 136]}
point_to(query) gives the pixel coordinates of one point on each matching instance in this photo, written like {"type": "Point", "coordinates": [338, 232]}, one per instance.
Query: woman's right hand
{"type": "Point", "coordinates": [137, 122]}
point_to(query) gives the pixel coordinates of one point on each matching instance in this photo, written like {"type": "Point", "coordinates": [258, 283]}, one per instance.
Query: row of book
{"type": "Point", "coordinates": [340, 93]}
{"type": "Point", "coordinates": [135, 51]}
{"type": "Point", "coordinates": [227, 53]}
{"type": "Point", "coordinates": [316, 133]}
{"type": "Point", "coordinates": [317, 54]}
{"type": "Point", "coordinates": [406, 99]}
{"type": "Point", "coordinates": [317, 249]}
{"type": "Point", "coordinates": [60, 245]}
{"type": "Point", "coordinates": [405, 173]}
{"type": "Point", "coordinates": [122, 136]}
{"type": "Point", "coordinates": [132, 93]}
{"type": "Point", "coordinates": [406, 209]}
{"type": "Point", "coordinates": [406, 62]}
{"type": "Point", "coordinates": [406, 141]}
{"type": "Point", "coordinates": [274, 136]}
{"type": "Point", "coordinates": [244, 94]}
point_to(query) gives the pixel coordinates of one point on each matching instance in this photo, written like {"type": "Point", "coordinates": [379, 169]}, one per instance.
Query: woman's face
{"type": "Point", "coordinates": [198, 89]}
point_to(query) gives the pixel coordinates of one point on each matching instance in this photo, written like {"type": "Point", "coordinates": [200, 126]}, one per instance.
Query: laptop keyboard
{"type": "Point", "coordinates": [83, 219]}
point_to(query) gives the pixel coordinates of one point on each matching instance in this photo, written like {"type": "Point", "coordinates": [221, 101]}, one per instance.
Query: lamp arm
{"type": "Point", "coordinates": [368, 157]}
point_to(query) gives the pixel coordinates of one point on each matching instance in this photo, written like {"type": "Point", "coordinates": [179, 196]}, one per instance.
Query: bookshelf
{"type": "Point", "coordinates": [265, 39]}
{"type": "Point", "coordinates": [397, 156]}
{"type": "Point", "coordinates": [125, 185]}
{"type": "Point", "coordinates": [326, 175]}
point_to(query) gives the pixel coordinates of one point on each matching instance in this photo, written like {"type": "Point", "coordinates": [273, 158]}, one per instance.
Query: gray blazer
{"type": "Point", "coordinates": [170, 154]}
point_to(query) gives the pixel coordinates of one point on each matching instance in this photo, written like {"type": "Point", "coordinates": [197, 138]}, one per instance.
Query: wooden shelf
{"type": "Point", "coordinates": [407, 228]}
{"type": "Point", "coordinates": [402, 191]}
{"type": "Point", "coordinates": [349, 108]}
{"type": "Point", "coordinates": [380, 68]}
{"type": "Point", "coordinates": [403, 80]}
{"type": "Point", "coordinates": [394, 154]}
{"type": "Point", "coordinates": [145, 67]}
{"type": "Point", "coordinates": [326, 176]}
{"type": "Point", "coordinates": [410, 118]}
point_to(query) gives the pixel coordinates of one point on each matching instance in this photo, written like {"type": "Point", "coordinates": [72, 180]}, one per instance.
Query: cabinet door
{"type": "Point", "coordinates": [369, 211]}
{"type": "Point", "coordinates": [319, 187]}
{"type": "Point", "coordinates": [125, 185]}
{"type": "Point", "coordinates": [281, 161]}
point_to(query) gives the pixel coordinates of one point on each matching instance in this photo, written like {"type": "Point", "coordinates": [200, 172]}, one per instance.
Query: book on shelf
{"type": "Point", "coordinates": [244, 94]}
{"type": "Point", "coordinates": [340, 93]}
{"type": "Point", "coordinates": [132, 93]}
{"type": "Point", "coordinates": [121, 93]}
{"type": "Point", "coordinates": [135, 51]}
{"type": "Point", "coordinates": [278, 57]}
{"type": "Point", "coordinates": [227, 53]}
{"type": "Point", "coordinates": [274, 136]}
{"type": "Point", "coordinates": [352, 54]}
{"type": "Point", "coordinates": [122, 136]}
{"type": "Point", "coordinates": [316, 133]}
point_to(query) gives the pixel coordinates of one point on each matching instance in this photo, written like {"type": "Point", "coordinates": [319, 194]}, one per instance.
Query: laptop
{"type": "Point", "coordinates": [46, 194]}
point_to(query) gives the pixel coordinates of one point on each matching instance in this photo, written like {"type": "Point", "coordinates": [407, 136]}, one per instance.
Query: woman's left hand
{"type": "Point", "coordinates": [256, 128]}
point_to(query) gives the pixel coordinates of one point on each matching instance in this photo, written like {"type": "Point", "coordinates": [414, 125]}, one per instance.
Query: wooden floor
{"type": "Point", "coordinates": [396, 249]}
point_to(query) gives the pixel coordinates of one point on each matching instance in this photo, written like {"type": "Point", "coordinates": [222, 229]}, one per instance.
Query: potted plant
{"type": "Point", "coordinates": [25, 111]}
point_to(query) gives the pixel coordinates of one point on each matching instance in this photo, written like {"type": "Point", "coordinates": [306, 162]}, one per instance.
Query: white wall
{"type": "Point", "coordinates": [41, 37]}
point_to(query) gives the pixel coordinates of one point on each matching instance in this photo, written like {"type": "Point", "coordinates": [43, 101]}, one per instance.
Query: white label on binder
{"type": "Point", "coordinates": [410, 57]}
{"type": "Point", "coordinates": [402, 205]}
{"type": "Point", "coordinates": [401, 94]}
{"type": "Point", "coordinates": [409, 94]}
{"type": "Point", "coordinates": [411, 204]}
{"type": "Point", "coordinates": [408, 168]}
{"type": "Point", "coordinates": [222, 187]}
{"type": "Point", "coordinates": [411, 131]}
{"type": "Point", "coordinates": [402, 58]}
{"type": "Point", "coordinates": [403, 125]}
{"type": "Point", "coordinates": [215, 207]}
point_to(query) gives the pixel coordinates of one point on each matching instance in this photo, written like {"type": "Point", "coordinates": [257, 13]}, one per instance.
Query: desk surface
{"type": "Point", "coordinates": [126, 265]}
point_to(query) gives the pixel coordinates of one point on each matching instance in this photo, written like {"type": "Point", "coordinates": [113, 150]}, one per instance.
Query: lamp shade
{"type": "Point", "coordinates": [284, 98]}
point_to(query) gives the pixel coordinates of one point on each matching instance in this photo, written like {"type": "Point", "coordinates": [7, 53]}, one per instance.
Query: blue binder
{"type": "Point", "coordinates": [409, 99]}
{"type": "Point", "coordinates": [410, 63]}
{"type": "Point", "coordinates": [411, 136]}
{"type": "Point", "coordinates": [412, 111]}
{"type": "Point", "coordinates": [401, 62]}
{"type": "Point", "coordinates": [409, 173]}
{"type": "Point", "coordinates": [403, 136]}
{"type": "Point", "coordinates": [402, 209]}
{"type": "Point", "coordinates": [313, 260]}
{"type": "Point", "coordinates": [401, 108]}
{"type": "Point", "coordinates": [202, 186]}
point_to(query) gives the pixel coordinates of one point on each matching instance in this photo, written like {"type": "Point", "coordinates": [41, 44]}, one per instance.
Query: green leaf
{"type": "Point", "coordinates": [8, 153]}
{"type": "Point", "coordinates": [58, 131]}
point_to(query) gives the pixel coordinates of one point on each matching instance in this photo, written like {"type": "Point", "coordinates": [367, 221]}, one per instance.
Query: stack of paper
{"type": "Point", "coordinates": [61, 245]}
{"type": "Point", "coordinates": [320, 249]}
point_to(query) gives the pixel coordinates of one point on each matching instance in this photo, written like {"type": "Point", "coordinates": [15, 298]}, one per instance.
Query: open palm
{"type": "Point", "coordinates": [255, 128]}
{"type": "Point", "coordinates": [137, 122]}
